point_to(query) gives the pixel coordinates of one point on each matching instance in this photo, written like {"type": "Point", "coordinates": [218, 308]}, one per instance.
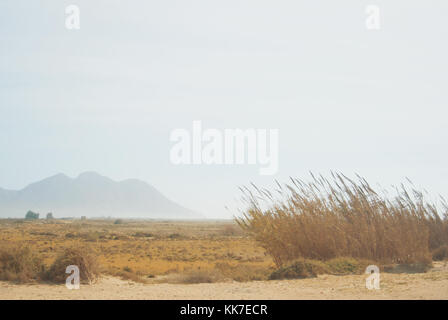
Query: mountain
{"type": "Point", "coordinates": [91, 195]}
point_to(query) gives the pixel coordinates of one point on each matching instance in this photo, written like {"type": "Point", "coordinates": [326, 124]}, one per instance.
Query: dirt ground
{"type": "Point", "coordinates": [430, 285]}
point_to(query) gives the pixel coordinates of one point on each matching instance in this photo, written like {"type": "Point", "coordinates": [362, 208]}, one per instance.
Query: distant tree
{"type": "Point", "coordinates": [30, 215]}
{"type": "Point", "coordinates": [50, 216]}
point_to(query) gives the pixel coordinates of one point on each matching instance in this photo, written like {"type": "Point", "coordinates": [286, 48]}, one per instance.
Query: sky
{"type": "Point", "coordinates": [106, 97]}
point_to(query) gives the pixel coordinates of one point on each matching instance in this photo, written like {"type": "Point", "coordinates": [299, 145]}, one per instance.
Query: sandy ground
{"type": "Point", "coordinates": [431, 285]}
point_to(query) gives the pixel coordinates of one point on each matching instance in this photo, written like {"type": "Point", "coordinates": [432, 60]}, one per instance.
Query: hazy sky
{"type": "Point", "coordinates": [106, 97]}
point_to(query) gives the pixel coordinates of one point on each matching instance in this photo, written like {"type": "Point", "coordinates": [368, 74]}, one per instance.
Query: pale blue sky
{"type": "Point", "coordinates": [106, 97]}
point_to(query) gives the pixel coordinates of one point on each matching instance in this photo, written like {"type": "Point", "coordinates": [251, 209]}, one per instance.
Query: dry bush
{"type": "Point", "coordinates": [408, 268]}
{"type": "Point", "coordinates": [344, 265]}
{"type": "Point", "coordinates": [440, 253]}
{"type": "Point", "coordinates": [305, 268]}
{"type": "Point", "coordinates": [20, 264]}
{"type": "Point", "coordinates": [140, 234]}
{"type": "Point", "coordinates": [231, 230]}
{"type": "Point", "coordinates": [300, 269]}
{"type": "Point", "coordinates": [81, 256]}
{"type": "Point", "coordinates": [196, 276]}
{"type": "Point", "coordinates": [323, 220]}
{"type": "Point", "coordinates": [243, 272]}
{"type": "Point", "coordinates": [129, 275]}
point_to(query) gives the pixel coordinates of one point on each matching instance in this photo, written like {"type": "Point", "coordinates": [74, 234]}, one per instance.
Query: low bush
{"type": "Point", "coordinates": [408, 268]}
{"type": "Point", "coordinates": [129, 275]}
{"type": "Point", "coordinates": [20, 264]}
{"type": "Point", "coordinates": [303, 268]}
{"type": "Point", "coordinates": [30, 215]}
{"type": "Point", "coordinates": [342, 266]}
{"type": "Point", "coordinates": [300, 269]}
{"type": "Point", "coordinates": [81, 256]}
{"type": "Point", "coordinates": [197, 276]}
{"type": "Point", "coordinates": [243, 272]}
{"type": "Point", "coordinates": [140, 234]}
{"type": "Point", "coordinates": [440, 253]}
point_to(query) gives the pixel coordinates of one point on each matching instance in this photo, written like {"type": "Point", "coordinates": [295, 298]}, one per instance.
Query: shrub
{"type": "Point", "coordinates": [50, 216]}
{"type": "Point", "coordinates": [129, 275]}
{"type": "Point", "coordinates": [300, 269]}
{"type": "Point", "coordinates": [231, 230]}
{"type": "Point", "coordinates": [243, 271]}
{"type": "Point", "coordinates": [303, 268]}
{"type": "Point", "coordinates": [440, 253]}
{"type": "Point", "coordinates": [118, 221]}
{"type": "Point", "coordinates": [140, 234]}
{"type": "Point", "coordinates": [30, 215]}
{"type": "Point", "coordinates": [408, 268]}
{"type": "Point", "coordinates": [82, 257]}
{"type": "Point", "coordinates": [323, 220]}
{"type": "Point", "coordinates": [90, 236]}
{"type": "Point", "coordinates": [197, 276]}
{"type": "Point", "coordinates": [20, 264]}
{"type": "Point", "coordinates": [342, 266]}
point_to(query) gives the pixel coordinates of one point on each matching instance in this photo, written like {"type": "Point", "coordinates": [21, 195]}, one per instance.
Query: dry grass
{"type": "Point", "coordinates": [327, 219]}
{"type": "Point", "coordinates": [20, 264]}
{"type": "Point", "coordinates": [145, 251]}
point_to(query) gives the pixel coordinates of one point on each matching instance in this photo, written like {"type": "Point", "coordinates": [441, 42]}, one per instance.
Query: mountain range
{"type": "Point", "coordinates": [91, 195]}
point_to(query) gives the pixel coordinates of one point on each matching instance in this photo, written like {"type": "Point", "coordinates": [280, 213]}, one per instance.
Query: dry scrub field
{"type": "Point", "coordinates": [167, 259]}
{"type": "Point", "coordinates": [144, 250]}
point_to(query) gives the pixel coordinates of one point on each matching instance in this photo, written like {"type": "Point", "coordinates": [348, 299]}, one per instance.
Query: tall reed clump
{"type": "Point", "coordinates": [340, 217]}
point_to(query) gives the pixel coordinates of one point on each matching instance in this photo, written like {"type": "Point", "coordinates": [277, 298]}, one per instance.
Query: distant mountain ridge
{"type": "Point", "coordinates": [91, 195]}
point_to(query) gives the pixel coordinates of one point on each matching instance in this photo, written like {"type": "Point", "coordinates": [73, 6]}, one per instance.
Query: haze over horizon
{"type": "Point", "coordinates": [106, 97]}
{"type": "Point", "coordinates": [93, 195]}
